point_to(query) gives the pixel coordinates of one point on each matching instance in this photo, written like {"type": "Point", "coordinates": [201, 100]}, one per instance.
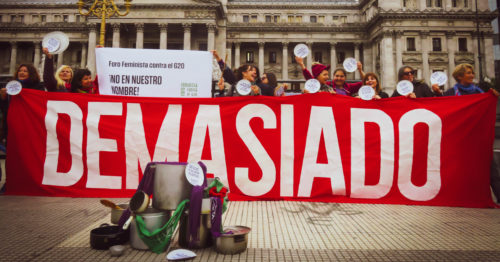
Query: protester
{"type": "Point", "coordinates": [338, 85]}
{"type": "Point", "coordinates": [371, 79]}
{"type": "Point", "coordinates": [29, 78]}
{"type": "Point", "coordinates": [61, 80]}
{"type": "Point", "coordinates": [464, 75]}
{"type": "Point", "coordinates": [420, 88]}
{"type": "Point", "coordinates": [82, 82]}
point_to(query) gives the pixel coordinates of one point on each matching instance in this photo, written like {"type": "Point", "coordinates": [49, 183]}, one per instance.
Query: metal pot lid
{"type": "Point", "coordinates": [236, 230]}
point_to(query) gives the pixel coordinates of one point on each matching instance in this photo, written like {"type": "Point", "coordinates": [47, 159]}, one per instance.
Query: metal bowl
{"type": "Point", "coordinates": [234, 240]}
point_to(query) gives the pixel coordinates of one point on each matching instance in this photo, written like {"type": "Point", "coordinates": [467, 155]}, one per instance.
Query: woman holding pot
{"type": "Point", "coordinates": [61, 80]}
{"type": "Point", "coordinates": [338, 85]}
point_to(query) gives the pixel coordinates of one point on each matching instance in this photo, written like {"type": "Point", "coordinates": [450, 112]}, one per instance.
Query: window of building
{"type": "Point", "coordinates": [249, 57]}
{"type": "Point", "coordinates": [429, 3]}
{"type": "Point", "coordinates": [246, 19]}
{"type": "Point", "coordinates": [335, 17]}
{"type": "Point", "coordinates": [313, 19]}
{"type": "Point", "coordinates": [43, 18]}
{"type": "Point", "coordinates": [318, 57]}
{"type": "Point", "coordinates": [13, 18]}
{"type": "Point", "coordinates": [272, 57]}
{"type": "Point", "coordinates": [291, 19]}
{"type": "Point", "coordinates": [65, 18]}
{"type": "Point", "coordinates": [1, 17]}
{"type": "Point", "coordinates": [454, 3]}
{"type": "Point", "coordinates": [276, 18]}
{"type": "Point", "coordinates": [439, 3]}
{"type": "Point", "coordinates": [410, 44]}
{"type": "Point", "coordinates": [404, 3]}
{"type": "Point", "coordinates": [253, 19]}
{"type": "Point", "coordinates": [462, 44]}
{"type": "Point", "coordinates": [268, 19]}
{"type": "Point", "coordinates": [466, 3]}
{"type": "Point", "coordinates": [343, 19]}
{"type": "Point", "coordinates": [298, 19]}
{"type": "Point", "coordinates": [203, 46]}
{"type": "Point", "coordinates": [321, 19]}
{"type": "Point", "coordinates": [436, 44]}
{"type": "Point", "coordinates": [293, 59]}
{"type": "Point", "coordinates": [341, 58]}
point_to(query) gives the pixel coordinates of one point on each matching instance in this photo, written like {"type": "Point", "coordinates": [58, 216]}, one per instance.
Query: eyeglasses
{"type": "Point", "coordinates": [408, 73]}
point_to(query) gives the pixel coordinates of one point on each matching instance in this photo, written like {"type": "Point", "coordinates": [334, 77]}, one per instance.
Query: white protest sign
{"type": "Point", "coordinates": [404, 87]}
{"type": "Point", "coordinates": [194, 174]}
{"type": "Point", "coordinates": [52, 45]}
{"type": "Point", "coordinates": [243, 87]}
{"type": "Point", "coordinates": [439, 78]}
{"type": "Point", "coordinates": [154, 73]}
{"type": "Point", "coordinates": [312, 85]}
{"type": "Point", "coordinates": [301, 50]}
{"type": "Point", "coordinates": [350, 64]}
{"type": "Point", "coordinates": [13, 87]}
{"type": "Point", "coordinates": [366, 92]}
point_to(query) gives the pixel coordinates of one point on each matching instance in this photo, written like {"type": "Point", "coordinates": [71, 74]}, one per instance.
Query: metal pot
{"type": "Point", "coordinates": [204, 239]}
{"type": "Point", "coordinates": [153, 219]}
{"type": "Point", "coordinates": [170, 186]}
{"type": "Point", "coordinates": [117, 213]}
{"type": "Point", "coordinates": [106, 236]}
{"type": "Point", "coordinates": [233, 241]}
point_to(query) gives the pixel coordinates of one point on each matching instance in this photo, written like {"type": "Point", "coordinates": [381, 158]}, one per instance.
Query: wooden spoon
{"type": "Point", "coordinates": [109, 203]}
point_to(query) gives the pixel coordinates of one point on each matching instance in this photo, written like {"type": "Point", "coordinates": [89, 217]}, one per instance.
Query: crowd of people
{"type": "Point", "coordinates": [65, 79]}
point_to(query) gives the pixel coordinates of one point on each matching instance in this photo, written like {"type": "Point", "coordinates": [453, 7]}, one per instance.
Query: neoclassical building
{"type": "Point", "coordinates": [429, 35]}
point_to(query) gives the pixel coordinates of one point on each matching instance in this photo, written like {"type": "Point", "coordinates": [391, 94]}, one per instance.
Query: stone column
{"type": "Point", "coordinates": [309, 57]}
{"type": "Point", "coordinates": [488, 59]}
{"type": "Point", "coordinates": [356, 56]}
{"type": "Point", "coordinates": [84, 55]}
{"type": "Point", "coordinates": [451, 48]}
{"type": "Point", "coordinates": [36, 61]}
{"type": "Point", "coordinates": [333, 58]}
{"type": "Point", "coordinates": [139, 39]}
{"type": "Point", "coordinates": [284, 62]}
{"type": "Point", "coordinates": [237, 52]}
{"type": "Point", "coordinates": [399, 49]}
{"type": "Point", "coordinates": [261, 57]}
{"type": "Point", "coordinates": [367, 57]}
{"type": "Point", "coordinates": [374, 55]}
{"type": "Point", "coordinates": [388, 75]}
{"type": "Point", "coordinates": [116, 35]}
{"type": "Point", "coordinates": [187, 36]}
{"type": "Point", "coordinates": [163, 35]}
{"type": "Point", "coordinates": [91, 50]}
{"type": "Point", "coordinates": [13, 57]}
{"type": "Point", "coordinates": [425, 55]}
{"type": "Point", "coordinates": [211, 37]}
{"type": "Point", "coordinates": [229, 55]}
{"type": "Point", "coordinates": [476, 55]}
{"type": "Point", "coordinates": [60, 58]}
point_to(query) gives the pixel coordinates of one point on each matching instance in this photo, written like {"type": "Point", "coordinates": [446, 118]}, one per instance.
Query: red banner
{"type": "Point", "coordinates": [315, 147]}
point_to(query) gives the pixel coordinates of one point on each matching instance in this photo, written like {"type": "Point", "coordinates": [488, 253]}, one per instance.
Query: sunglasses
{"type": "Point", "coordinates": [408, 73]}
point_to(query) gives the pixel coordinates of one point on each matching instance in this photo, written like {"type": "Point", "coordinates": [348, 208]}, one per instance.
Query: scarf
{"type": "Point", "coordinates": [466, 90]}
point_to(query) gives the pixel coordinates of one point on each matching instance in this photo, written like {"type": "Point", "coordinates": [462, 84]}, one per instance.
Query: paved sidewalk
{"type": "Point", "coordinates": [58, 229]}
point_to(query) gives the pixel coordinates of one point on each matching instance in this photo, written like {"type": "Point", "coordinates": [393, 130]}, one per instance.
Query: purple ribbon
{"type": "Point", "coordinates": [216, 216]}
{"type": "Point", "coordinates": [195, 208]}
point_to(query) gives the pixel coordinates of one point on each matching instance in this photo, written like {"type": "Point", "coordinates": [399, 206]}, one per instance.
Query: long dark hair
{"type": "Point", "coordinates": [76, 82]}
{"type": "Point", "coordinates": [377, 88]}
{"type": "Point", "coordinates": [240, 71]}
{"type": "Point", "coordinates": [401, 72]}
{"type": "Point", "coordinates": [273, 82]}
{"type": "Point", "coordinates": [33, 77]}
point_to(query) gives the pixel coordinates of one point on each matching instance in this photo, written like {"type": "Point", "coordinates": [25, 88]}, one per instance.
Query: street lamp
{"type": "Point", "coordinates": [103, 9]}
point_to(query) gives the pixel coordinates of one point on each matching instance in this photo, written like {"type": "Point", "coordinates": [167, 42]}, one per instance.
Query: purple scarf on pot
{"type": "Point", "coordinates": [216, 216]}
{"type": "Point", "coordinates": [195, 208]}
{"type": "Point", "coordinates": [146, 185]}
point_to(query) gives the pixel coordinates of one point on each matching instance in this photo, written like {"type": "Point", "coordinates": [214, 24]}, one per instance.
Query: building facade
{"type": "Point", "coordinates": [429, 35]}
